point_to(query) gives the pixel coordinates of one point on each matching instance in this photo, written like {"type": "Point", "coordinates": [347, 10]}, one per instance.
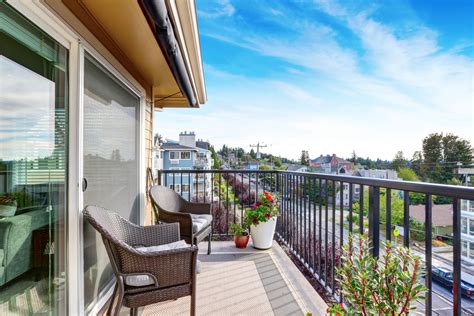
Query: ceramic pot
{"type": "Point", "coordinates": [262, 234]}
{"type": "Point", "coordinates": [241, 241]}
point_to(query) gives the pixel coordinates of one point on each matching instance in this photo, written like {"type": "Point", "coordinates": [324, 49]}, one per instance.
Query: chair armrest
{"type": "Point", "coordinates": [197, 208]}
{"type": "Point", "coordinates": [169, 267]}
{"type": "Point", "coordinates": [154, 235]}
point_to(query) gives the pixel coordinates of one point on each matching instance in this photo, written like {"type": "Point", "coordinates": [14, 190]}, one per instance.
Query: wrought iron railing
{"type": "Point", "coordinates": [318, 211]}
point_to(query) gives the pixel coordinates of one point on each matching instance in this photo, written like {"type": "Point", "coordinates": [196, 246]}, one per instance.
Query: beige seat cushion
{"type": "Point", "coordinates": [200, 221]}
{"type": "Point", "coordinates": [144, 280]}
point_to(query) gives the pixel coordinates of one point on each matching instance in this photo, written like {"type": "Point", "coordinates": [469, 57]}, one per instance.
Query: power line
{"type": "Point", "coordinates": [258, 146]}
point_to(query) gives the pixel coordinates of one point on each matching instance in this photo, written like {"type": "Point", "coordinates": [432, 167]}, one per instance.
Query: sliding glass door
{"type": "Point", "coordinates": [33, 168]}
{"type": "Point", "coordinates": [111, 162]}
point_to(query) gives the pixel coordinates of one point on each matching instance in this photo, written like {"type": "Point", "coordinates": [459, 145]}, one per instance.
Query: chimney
{"type": "Point", "coordinates": [187, 139]}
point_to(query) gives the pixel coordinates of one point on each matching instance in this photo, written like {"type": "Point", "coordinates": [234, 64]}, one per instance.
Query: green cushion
{"type": "Point", "coordinates": [16, 241]}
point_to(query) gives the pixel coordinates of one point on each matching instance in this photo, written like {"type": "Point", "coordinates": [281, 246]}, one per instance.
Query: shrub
{"type": "Point", "coordinates": [221, 218]}
{"type": "Point", "coordinates": [370, 286]}
{"type": "Point", "coordinates": [239, 230]}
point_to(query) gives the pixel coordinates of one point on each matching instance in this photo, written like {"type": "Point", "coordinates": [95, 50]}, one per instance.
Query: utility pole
{"type": "Point", "coordinates": [258, 146]}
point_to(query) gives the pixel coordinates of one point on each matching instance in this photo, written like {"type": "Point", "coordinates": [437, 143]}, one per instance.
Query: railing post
{"type": "Point", "coordinates": [374, 219]}
{"type": "Point", "coordinates": [406, 219]}
{"type": "Point", "coordinates": [277, 182]}
{"type": "Point", "coordinates": [457, 257]}
{"type": "Point", "coordinates": [158, 178]}
{"type": "Point", "coordinates": [428, 253]}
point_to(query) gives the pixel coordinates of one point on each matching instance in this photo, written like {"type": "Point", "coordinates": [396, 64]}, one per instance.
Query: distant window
{"type": "Point", "coordinates": [464, 249]}
{"type": "Point", "coordinates": [174, 155]}
{"type": "Point", "coordinates": [185, 188]}
{"type": "Point", "coordinates": [464, 225]}
{"type": "Point", "coordinates": [471, 227]}
{"type": "Point", "coordinates": [185, 155]}
{"type": "Point", "coordinates": [176, 187]}
{"type": "Point", "coordinates": [471, 250]}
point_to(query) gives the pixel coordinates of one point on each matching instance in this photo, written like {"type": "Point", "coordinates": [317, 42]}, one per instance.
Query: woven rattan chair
{"type": "Point", "coordinates": [170, 207]}
{"type": "Point", "coordinates": [173, 272]}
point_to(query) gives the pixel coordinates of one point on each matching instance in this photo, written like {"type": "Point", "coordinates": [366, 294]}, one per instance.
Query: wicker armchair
{"type": "Point", "coordinates": [170, 207]}
{"type": "Point", "coordinates": [173, 272]}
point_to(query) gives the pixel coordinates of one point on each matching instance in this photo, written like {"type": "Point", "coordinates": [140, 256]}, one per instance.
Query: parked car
{"type": "Point", "coordinates": [442, 276]}
{"type": "Point", "coordinates": [467, 290]}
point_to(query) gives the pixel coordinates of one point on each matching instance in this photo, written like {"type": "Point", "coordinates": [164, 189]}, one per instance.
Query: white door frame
{"type": "Point", "coordinates": [44, 18]}
{"type": "Point", "coordinates": [85, 47]}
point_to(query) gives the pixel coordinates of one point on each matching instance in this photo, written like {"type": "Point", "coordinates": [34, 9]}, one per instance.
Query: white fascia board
{"type": "Point", "coordinates": [183, 14]}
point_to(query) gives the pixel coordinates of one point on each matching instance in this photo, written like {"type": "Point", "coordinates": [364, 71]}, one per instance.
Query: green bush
{"type": "Point", "coordinates": [388, 286]}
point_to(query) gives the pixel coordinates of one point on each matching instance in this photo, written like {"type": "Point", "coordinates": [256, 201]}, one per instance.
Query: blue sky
{"type": "Point", "coordinates": [332, 76]}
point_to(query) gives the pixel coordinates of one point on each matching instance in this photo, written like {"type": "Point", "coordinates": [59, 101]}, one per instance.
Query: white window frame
{"type": "Point", "coordinates": [124, 79]}
{"type": "Point", "coordinates": [176, 187]}
{"type": "Point", "coordinates": [41, 15]}
{"type": "Point", "coordinates": [184, 152]}
{"type": "Point", "coordinates": [183, 186]}
{"type": "Point", "coordinates": [175, 153]}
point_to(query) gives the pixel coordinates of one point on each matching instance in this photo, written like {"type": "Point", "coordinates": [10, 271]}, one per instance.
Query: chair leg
{"type": "Point", "coordinates": [112, 299]}
{"type": "Point", "coordinates": [119, 297]}
{"type": "Point", "coordinates": [133, 311]}
{"type": "Point", "coordinates": [209, 244]}
{"type": "Point", "coordinates": [193, 304]}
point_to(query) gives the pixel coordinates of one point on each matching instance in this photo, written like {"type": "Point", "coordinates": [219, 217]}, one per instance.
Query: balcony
{"type": "Point", "coordinates": [312, 226]}
{"type": "Point", "coordinates": [246, 282]}
{"type": "Point", "coordinates": [201, 162]}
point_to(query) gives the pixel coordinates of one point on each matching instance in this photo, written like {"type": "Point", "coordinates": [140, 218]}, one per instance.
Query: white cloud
{"type": "Point", "coordinates": [221, 8]}
{"type": "Point", "coordinates": [377, 98]}
{"type": "Point", "coordinates": [296, 92]}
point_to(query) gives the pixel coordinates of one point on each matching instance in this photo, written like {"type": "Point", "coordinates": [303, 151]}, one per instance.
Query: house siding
{"type": "Point", "coordinates": [148, 216]}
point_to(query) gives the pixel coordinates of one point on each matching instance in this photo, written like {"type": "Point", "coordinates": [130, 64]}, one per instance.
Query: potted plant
{"type": "Point", "coordinates": [372, 286]}
{"type": "Point", "coordinates": [261, 218]}
{"type": "Point", "coordinates": [241, 235]}
{"type": "Point", "coordinates": [8, 205]}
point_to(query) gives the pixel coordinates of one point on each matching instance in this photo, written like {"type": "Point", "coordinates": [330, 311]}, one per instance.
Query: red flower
{"type": "Point", "coordinates": [269, 198]}
{"type": "Point", "coordinates": [259, 203]}
{"type": "Point", "coordinates": [268, 215]}
{"type": "Point", "coordinates": [254, 220]}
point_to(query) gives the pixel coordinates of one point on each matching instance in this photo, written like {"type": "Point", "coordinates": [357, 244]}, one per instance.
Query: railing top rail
{"type": "Point", "coordinates": [454, 191]}
{"type": "Point", "coordinates": [447, 190]}
{"type": "Point", "coordinates": [218, 171]}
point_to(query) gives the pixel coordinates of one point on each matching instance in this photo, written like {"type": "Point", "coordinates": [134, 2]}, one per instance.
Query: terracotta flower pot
{"type": "Point", "coordinates": [241, 241]}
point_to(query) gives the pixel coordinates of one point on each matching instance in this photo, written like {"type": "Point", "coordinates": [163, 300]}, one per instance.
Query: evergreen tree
{"type": "Point", "coordinates": [417, 163]}
{"type": "Point", "coordinates": [399, 161]}
{"type": "Point", "coordinates": [304, 160]}
{"type": "Point", "coordinates": [353, 158]}
{"type": "Point", "coordinates": [441, 154]}
{"type": "Point", "coordinates": [253, 155]}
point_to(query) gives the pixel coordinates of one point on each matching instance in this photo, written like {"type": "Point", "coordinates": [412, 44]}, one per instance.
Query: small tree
{"type": "Point", "coordinates": [407, 174]}
{"type": "Point", "coordinates": [399, 161]}
{"type": "Point", "coordinates": [304, 160]}
{"type": "Point", "coordinates": [277, 161]}
{"type": "Point", "coordinates": [370, 286]}
{"type": "Point", "coordinates": [353, 158]}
